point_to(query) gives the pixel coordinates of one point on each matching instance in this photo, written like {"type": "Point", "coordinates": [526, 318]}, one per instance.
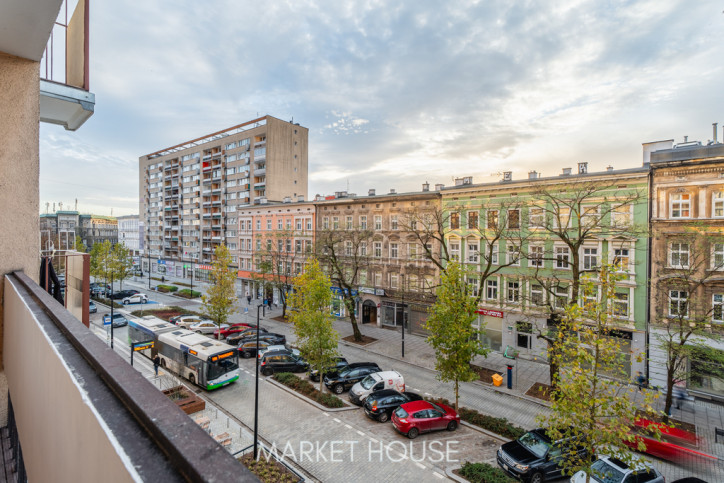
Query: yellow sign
{"type": "Point", "coordinates": [143, 347]}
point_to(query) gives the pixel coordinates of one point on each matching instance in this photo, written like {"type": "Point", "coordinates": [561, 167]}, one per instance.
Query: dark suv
{"type": "Point", "coordinates": [234, 339]}
{"type": "Point", "coordinates": [339, 364]}
{"type": "Point", "coordinates": [349, 376]}
{"type": "Point", "coordinates": [281, 361]}
{"type": "Point", "coordinates": [534, 457]}
{"type": "Point", "coordinates": [121, 294]}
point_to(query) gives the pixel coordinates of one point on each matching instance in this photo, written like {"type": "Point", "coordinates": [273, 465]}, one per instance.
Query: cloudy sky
{"type": "Point", "coordinates": [394, 93]}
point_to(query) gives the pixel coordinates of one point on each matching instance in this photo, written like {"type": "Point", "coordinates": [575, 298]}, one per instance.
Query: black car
{"type": "Point", "coordinates": [281, 361]}
{"type": "Point", "coordinates": [121, 294]}
{"type": "Point", "coordinates": [277, 339]}
{"type": "Point", "coordinates": [380, 404]}
{"type": "Point", "coordinates": [534, 457]}
{"type": "Point", "coordinates": [234, 339]}
{"type": "Point", "coordinates": [349, 376]}
{"type": "Point", "coordinates": [247, 348]}
{"type": "Point", "coordinates": [339, 364]}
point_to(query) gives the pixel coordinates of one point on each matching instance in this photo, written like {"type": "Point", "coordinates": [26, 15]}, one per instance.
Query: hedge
{"type": "Point", "coordinates": [166, 288]}
{"type": "Point", "coordinates": [499, 426]}
{"type": "Point", "coordinates": [107, 302]}
{"type": "Point", "coordinates": [483, 473]}
{"type": "Point", "coordinates": [304, 387]}
{"type": "Point", "coordinates": [189, 294]}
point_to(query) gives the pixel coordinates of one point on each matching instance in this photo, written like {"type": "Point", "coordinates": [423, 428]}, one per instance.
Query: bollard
{"type": "Point", "coordinates": [510, 376]}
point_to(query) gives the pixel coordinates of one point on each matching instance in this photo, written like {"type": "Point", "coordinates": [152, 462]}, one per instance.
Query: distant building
{"type": "Point", "coordinates": [128, 233]}
{"type": "Point", "coordinates": [59, 230]}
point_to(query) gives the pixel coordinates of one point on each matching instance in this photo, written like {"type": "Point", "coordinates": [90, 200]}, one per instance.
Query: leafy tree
{"type": "Point", "coordinates": [341, 255]}
{"type": "Point", "coordinates": [122, 263]}
{"type": "Point", "coordinates": [313, 324]}
{"type": "Point", "coordinates": [594, 403]}
{"type": "Point", "coordinates": [219, 300]}
{"type": "Point", "coordinates": [686, 311]}
{"type": "Point", "coordinates": [452, 335]}
{"type": "Point", "coordinates": [101, 262]}
{"type": "Point", "coordinates": [79, 245]}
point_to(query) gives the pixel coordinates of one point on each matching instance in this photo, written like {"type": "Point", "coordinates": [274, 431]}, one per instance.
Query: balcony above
{"type": "Point", "coordinates": [62, 104]}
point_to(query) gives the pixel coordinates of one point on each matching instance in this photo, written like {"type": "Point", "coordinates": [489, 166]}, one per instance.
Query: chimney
{"type": "Point", "coordinates": [566, 172]}
{"type": "Point", "coordinates": [582, 168]}
{"type": "Point", "coordinates": [300, 198]}
{"type": "Point", "coordinates": [507, 176]}
{"type": "Point", "coordinates": [686, 139]}
{"type": "Point", "coordinates": [287, 199]}
{"type": "Point", "coordinates": [609, 168]}
{"type": "Point", "coordinates": [439, 186]}
{"type": "Point", "coordinates": [532, 174]}
{"type": "Point", "coordinates": [392, 191]}
{"type": "Point", "coordinates": [371, 192]}
{"type": "Point", "coordinates": [714, 128]}
{"type": "Point", "coordinates": [425, 186]}
{"type": "Point", "coordinates": [54, 207]}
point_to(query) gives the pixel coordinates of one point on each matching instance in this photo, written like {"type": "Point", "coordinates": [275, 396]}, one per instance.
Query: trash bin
{"type": "Point", "coordinates": [497, 379]}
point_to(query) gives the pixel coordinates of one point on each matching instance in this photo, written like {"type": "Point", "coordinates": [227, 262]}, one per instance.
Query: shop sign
{"type": "Point", "coordinates": [204, 267]}
{"type": "Point", "coordinates": [490, 313]}
{"type": "Point", "coordinates": [367, 290]}
{"type": "Point", "coordinates": [338, 290]}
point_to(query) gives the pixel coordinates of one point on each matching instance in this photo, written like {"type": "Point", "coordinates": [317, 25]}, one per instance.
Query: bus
{"type": "Point", "coordinates": [203, 361]}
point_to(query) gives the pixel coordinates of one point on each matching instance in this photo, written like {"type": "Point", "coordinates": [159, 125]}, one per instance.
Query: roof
{"type": "Point", "coordinates": [382, 197]}
{"type": "Point", "coordinates": [414, 406]}
{"type": "Point", "coordinates": [694, 151]}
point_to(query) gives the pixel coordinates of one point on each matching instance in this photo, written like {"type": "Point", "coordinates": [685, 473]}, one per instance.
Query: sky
{"type": "Point", "coordinates": [393, 93]}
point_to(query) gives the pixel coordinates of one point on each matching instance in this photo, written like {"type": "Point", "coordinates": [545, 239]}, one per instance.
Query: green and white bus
{"type": "Point", "coordinates": [203, 361]}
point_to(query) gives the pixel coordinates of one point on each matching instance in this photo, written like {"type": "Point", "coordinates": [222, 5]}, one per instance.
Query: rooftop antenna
{"type": "Point", "coordinates": [60, 206]}
{"type": "Point", "coordinates": [347, 185]}
{"type": "Point", "coordinates": [76, 204]}
{"type": "Point", "coordinates": [47, 207]}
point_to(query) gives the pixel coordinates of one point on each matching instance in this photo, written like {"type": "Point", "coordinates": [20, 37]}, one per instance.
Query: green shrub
{"type": "Point", "coordinates": [166, 288]}
{"type": "Point", "coordinates": [107, 302]}
{"type": "Point", "coordinates": [189, 294]}
{"type": "Point", "coordinates": [304, 387]}
{"type": "Point", "coordinates": [499, 426]}
{"type": "Point", "coordinates": [483, 473]}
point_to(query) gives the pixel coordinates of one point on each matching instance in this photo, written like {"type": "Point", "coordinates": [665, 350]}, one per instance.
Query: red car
{"type": "Point", "coordinates": [232, 329]}
{"type": "Point", "coordinates": [417, 417]}
{"type": "Point", "coordinates": [676, 444]}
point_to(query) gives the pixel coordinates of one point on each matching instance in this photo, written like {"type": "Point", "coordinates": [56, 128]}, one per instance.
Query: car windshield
{"type": "Point", "coordinates": [401, 413]}
{"type": "Point", "coordinates": [603, 472]}
{"type": "Point", "coordinates": [218, 369]}
{"type": "Point", "coordinates": [368, 382]}
{"type": "Point", "coordinates": [438, 408]}
{"type": "Point", "coordinates": [535, 444]}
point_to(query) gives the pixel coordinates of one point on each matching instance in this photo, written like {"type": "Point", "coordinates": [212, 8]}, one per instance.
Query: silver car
{"type": "Point", "coordinates": [612, 470]}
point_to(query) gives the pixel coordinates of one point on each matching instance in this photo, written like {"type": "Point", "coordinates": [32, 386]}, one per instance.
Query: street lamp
{"type": "Point", "coordinates": [256, 390]}
{"type": "Point", "coordinates": [402, 285]}
{"type": "Point", "coordinates": [111, 310]}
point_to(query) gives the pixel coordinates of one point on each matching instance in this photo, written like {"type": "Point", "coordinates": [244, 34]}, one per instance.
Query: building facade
{"type": "Point", "coordinates": [529, 240]}
{"type": "Point", "coordinates": [190, 193]}
{"type": "Point", "coordinates": [395, 279]}
{"type": "Point", "coordinates": [687, 269]}
{"type": "Point", "coordinates": [59, 230]}
{"type": "Point", "coordinates": [275, 240]}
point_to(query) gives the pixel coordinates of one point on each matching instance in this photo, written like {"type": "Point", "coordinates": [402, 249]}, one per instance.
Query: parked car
{"type": "Point", "coordinates": [121, 294]}
{"type": "Point", "coordinates": [612, 470]}
{"type": "Point", "coordinates": [675, 444]}
{"type": "Point", "coordinates": [186, 321]}
{"type": "Point", "coordinates": [279, 348]}
{"type": "Point", "coordinates": [247, 349]}
{"type": "Point", "coordinates": [281, 361]}
{"type": "Point", "coordinates": [234, 339]}
{"type": "Point", "coordinates": [534, 457]}
{"type": "Point", "coordinates": [417, 417]}
{"type": "Point", "coordinates": [206, 327]}
{"type": "Point", "coordinates": [339, 364]}
{"type": "Point", "coordinates": [92, 309]}
{"type": "Point", "coordinates": [376, 382]}
{"type": "Point", "coordinates": [138, 298]}
{"type": "Point", "coordinates": [97, 288]}
{"type": "Point", "coordinates": [348, 377]}
{"type": "Point", "coordinates": [119, 320]}
{"type": "Point", "coordinates": [232, 329]}
{"type": "Point", "coordinates": [380, 404]}
{"type": "Point", "coordinates": [272, 338]}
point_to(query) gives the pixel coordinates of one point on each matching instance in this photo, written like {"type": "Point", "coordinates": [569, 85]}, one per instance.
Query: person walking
{"type": "Point", "coordinates": [248, 298]}
{"type": "Point", "coordinates": [681, 395]}
{"type": "Point", "coordinates": [156, 363]}
{"type": "Point", "coordinates": [640, 380]}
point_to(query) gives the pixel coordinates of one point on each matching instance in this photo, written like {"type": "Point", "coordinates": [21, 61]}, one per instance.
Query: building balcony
{"type": "Point", "coordinates": [260, 172]}
{"type": "Point", "coordinates": [259, 159]}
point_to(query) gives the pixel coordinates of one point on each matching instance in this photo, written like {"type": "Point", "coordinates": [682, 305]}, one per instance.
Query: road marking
{"type": "Point", "coordinates": [336, 420]}
{"type": "Point", "coordinates": [415, 389]}
{"type": "Point", "coordinates": [326, 414]}
{"type": "Point", "coordinates": [428, 394]}
{"type": "Point", "coordinates": [420, 465]}
{"type": "Point", "coordinates": [373, 440]}
{"type": "Point", "coordinates": [360, 433]}
{"type": "Point", "coordinates": [348, 426]}
{"type": "Point", "coordinates": [438, 475]}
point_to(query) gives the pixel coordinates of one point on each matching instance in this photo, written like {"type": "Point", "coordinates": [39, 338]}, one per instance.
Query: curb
{"type": "Point", "coordinates": [306, 399]}
{"type": "Point", "coordinates": [449, 473]}
{"type": "Point", "coordinates": [485, 431]}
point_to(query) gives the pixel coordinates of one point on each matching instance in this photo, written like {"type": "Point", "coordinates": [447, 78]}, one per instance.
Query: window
{"type": "Point", "coordinates": [562, 218]}
{"type": "Point", "coordinates": [492, 219]}
{"type": "Point", "coordinates": [492, 250]}
{"type": "Point", "coordinates": [378, 222]}
{"type": "Point", "coordinates": [678, 303]}
{"type": "Point", "coordinates": [491, 289]}
{"type": "Point", "coordinates": [473, 286]}
{"type": "Point", "coordinates": [620, 305]}
{"type": "Point", "coordinates": [393, 222]}
{"type": "Point", "coordinates": [378, 279]}
{"type": "Point", "coordinates": [473, 248]}
{"type": "Point", "coordinates": [325, 223]}
{"type": "Point", "coordinates": [472, 219]}
{"type": "Point", "coordinates": [412, 251]}
{"type": "Point", "coordinates": [717, 256]}
{"type": "Point", "coordinates": [680, 205]}
{"type": "Point", "coordinates": [560, 299]}
{"type": "Point", "coordinates": [621, 259]}
{"type": "Point", "coordinates": [590, 297]}
{"type": "Point", "coordinates": [363, 248]}
{"type": "Point", "coordinates": [393, 250]}
{"type": "Point", "coordinates": [363, 222]}
{"type": "Point", "coordinates": [562, 256]}
{"type": "Point", "coordinates": [717, 204]}
{"type": "Point", "coordinates": [298, 246]}
{"type": "Point", "coordinates": [299, 224]}
{"type": "Point", "coordinates": [536, 217]}
{"type": "Point", "coordinates": [454, 250]}
{"type": "Point", "coordinates": [280, 224]}
{"type": "Point", "coordinates": [348, 221]}
{"type": "Point", "coordinates": [393, 281]}
{"type": "Point", "coordinates": [268, 224]}
{"type": "Point", "coordinates": [536, 294]}
{"type": "Point", "coordinates": [513, 292]}
{"type": "Point", "coordinates": [348, 248]}
{"type": "Point", "coordinates": [378, 249]}
{"type": "Point", "coordinates": [524, 331]}
{"type": "Point", "coordinates": [717, 315]}
{"type": "Point", "coordinates": [335, 223]}
{"type": "Point", "coordinates": [513, 254]}
{"type": "Point", "coordinates": [536, 255]}
{"type": "Point", "coordinates": [258, 223]}
{"type": "Point", "coordinates": [590, 258]}
{"type": "Point", "coordinates": [590, 217]}
{"type": "Point", "coordinates": [679, 255]}
{"type": "Point", "coordinates": [454, 221]}
{"type": "Point", "coordinates": [514, 219]}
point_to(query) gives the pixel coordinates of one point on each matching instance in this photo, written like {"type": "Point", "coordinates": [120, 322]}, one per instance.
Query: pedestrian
{"type": "Point", "coordinates": [163, 279]}
{"type": "Point", "coordinates": [248, 298]}
{"type": "Point", "coordinates": [681, 395]}
{"type": "Point", "coordinates": [156, 363]}
{"type": "Point", "coordinates": [640, 380]}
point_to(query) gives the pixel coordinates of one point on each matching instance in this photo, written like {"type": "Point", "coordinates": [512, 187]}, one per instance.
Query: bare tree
{"type": "Point", "coordinates": [276, 260]}
{"type": "Point", "coordinates": [343, 254]}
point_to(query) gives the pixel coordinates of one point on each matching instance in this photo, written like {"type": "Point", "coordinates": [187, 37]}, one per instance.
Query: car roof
{"type": "Point", "coordinates": [637, 463]}
{"type": "Point", "coordinates": [384, 393]}
{"type": "Point", "coordinates": [414, 406]}
{"type": "Point", "coordinates": [362, 364]}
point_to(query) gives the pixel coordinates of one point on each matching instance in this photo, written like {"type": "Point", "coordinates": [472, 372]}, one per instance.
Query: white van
{"type": "Point", "coordinates": [376, 382]}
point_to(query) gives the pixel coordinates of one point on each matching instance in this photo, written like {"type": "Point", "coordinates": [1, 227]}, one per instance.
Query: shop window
{"type": "Point", "coordinates": [524, 332]}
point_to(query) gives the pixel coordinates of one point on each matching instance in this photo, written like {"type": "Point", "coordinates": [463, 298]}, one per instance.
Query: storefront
{"type": "Point", "coordinates": [370, 304]}
{"type": "Point", "coordinates": [339, 308]}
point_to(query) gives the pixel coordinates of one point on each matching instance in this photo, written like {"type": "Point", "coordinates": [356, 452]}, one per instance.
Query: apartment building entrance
{"type": "Point", "coordinates": [369, 312]}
